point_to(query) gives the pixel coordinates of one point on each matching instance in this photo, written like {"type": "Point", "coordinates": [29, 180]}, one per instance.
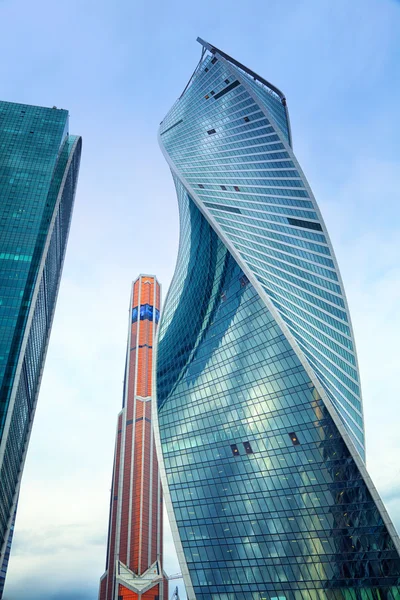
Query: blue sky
{"type": "Point", "coordinates": [118, 67]}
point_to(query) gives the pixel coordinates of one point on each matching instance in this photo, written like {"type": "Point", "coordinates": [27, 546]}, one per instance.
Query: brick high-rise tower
{"type": "Point", "coordinates": [135, 534]}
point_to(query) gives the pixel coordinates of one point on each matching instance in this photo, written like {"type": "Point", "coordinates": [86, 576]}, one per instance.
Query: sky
{"type": "Point", "coordinates": [118, 66]}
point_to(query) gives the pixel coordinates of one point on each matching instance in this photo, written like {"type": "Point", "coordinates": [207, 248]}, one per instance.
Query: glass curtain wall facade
{"type": "Point", "coordinates": [259, 421]}
{"type": "Point", "coordinates": [6, 557]}
{"type": "Point", "coordinates": [39, 164]}
{"type": "Point", "coordinates": [135, 534]}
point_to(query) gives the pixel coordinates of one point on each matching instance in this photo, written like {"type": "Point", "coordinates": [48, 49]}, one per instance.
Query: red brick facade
{"type": "Point", "coordinates": [135, 528]}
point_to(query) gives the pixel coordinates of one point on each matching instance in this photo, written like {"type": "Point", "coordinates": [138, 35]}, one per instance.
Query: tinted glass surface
{"type": "Point", "coordinates": [39, 164]}
{"type": "Point", "coordinates": [292, 519]}
{"type": "Point", "coordinates": [248, 178]}
{"type": "Point", "coordinates": [268, 500]}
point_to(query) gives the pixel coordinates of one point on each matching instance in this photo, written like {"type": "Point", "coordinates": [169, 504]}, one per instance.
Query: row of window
{"type": "Point", "coordinates": [224, 91]}
{"type": "Point", "coordinates": [223, 187]}
{"type": "Point", "coordinates": [248, 449]}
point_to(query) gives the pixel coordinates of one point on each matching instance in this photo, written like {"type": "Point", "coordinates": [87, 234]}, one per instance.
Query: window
{"type": "Point", "coordinates": [226, 80]}
{"type": "Point", "coordinates": [236, 188]}
{"type": "Point", "coordinates": [212, 92]}
{"type": "Point", "coordinates": [231, 209]}
{"type": "Point", "coordinates": [235, 450]}
{"type": "Point", "coordinates": [248, 448]}
{"type": "Point", "coordinates": [206, 70]}
{"type": "Point", "coordinates": [305, 224]}
{"type": "Point", "coordinates": [294, 438]}
{"type": "Point", "coordinates": [201, 186]}
{"type": "Point", "coordinates": [223, 187]}
{"type": "Point", "coordinates": [211, 131]}
{"type": "Point", "coordinates": [246, 119]}
{"type": "Point", "coordinates": [129, 422]}
{"type": "Point", "coordinates": [214, 60]}
{"type": "Point", "coordinates": [172, 126]}
{"type": "Point", "coordinates": [230, 87]}
{"type": "Point", "coordinates": [206, 97]}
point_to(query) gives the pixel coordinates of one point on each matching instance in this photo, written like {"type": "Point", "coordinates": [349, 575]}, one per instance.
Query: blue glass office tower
{"type": "Point", "coordinates": [39, 164]}
{"type": "Point", "coordinates": [260, 424]}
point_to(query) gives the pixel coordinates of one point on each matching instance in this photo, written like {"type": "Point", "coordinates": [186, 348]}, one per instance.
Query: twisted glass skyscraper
{"type": "Point", "coordinates": [39, 164]}
{"type": "Point", "coordinates": [260, 423]}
